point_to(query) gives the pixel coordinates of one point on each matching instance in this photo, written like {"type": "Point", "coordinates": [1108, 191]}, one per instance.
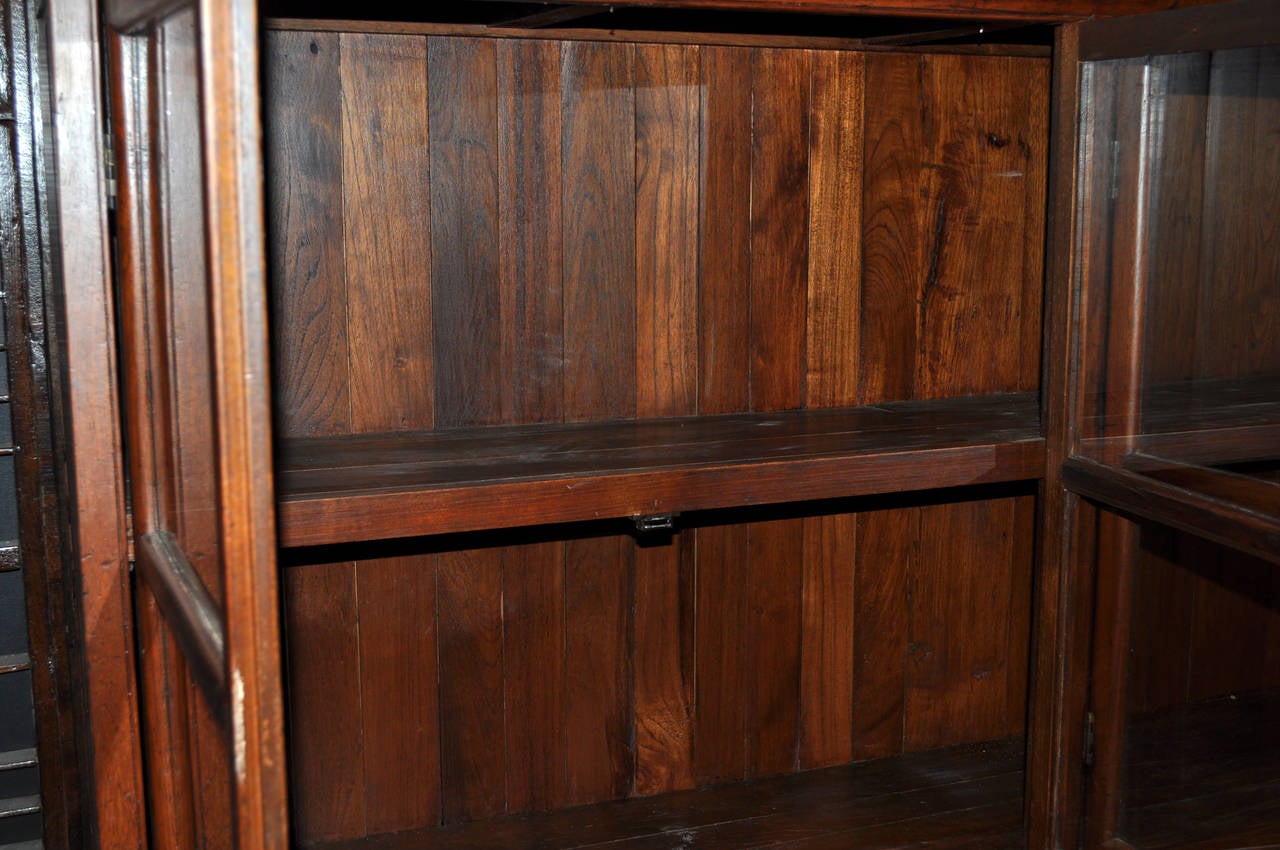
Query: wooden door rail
{"type": "Point", "coordinates": [1230, 509]}
{"type": "Point", "coordinates": [189, 611]}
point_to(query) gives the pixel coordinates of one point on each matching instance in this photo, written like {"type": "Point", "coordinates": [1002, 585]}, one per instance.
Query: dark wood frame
{"type": "Point", "coordinates": [1069, 526]}
{"type": "Point", "coordinates": [1126, 475]}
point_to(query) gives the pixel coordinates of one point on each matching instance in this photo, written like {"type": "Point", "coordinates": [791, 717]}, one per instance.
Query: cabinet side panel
{"type": "Point", "coordinates": [303, 143]}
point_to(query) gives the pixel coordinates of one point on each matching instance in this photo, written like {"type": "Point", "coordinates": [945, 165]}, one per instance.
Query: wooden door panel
{"type": "Point", "coordinates": [192, 304]}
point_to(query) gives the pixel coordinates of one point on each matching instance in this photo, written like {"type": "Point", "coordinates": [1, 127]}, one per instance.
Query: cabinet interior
{"type": "Point", "coordinates": [527, 286]}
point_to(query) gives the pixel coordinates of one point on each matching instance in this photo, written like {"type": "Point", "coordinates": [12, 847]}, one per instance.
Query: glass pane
{"type": "Point", "coordinates": [1202, 736]}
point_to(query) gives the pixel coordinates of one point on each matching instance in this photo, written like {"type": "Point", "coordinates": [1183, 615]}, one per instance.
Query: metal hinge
{"type": "Point", "coordinates": [1088, 739]}
{"type": "Point", "coordinates": [109, 166]}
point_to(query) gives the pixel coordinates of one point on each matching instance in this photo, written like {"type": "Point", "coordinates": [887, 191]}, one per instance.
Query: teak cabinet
{"type": "Point", "coordinates": [519, 419]}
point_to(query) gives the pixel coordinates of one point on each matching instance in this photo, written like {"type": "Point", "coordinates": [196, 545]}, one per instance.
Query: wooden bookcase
{"type": "Point", "coordinates": [637, 434]}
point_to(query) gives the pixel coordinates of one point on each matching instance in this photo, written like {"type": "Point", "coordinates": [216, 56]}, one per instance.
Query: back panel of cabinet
{"type": "Point", "coordinates": [474, 231]}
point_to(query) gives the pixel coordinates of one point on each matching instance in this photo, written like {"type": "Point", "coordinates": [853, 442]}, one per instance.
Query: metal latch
{"type": "Point", "coordinates": [655, 523]}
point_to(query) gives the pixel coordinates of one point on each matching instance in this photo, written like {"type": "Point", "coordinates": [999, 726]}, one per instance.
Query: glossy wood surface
{"type": "Point", "coordinates": [1045, 10]}
{"type": "Point", "coordinates": [39, 551]}
{"type": "Point", "coordinates": [352, 488]}
{"type": "Point", "coordinates": [89, 429]}
{"type": "Point", "coordinates": [575, 664]}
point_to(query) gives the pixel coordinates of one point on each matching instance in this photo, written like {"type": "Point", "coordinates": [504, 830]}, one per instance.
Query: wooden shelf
{"type": "Point", "coordinates": [968, 796]}
{"type": "Point", "coordinates": [342, 489]}
{"type": "Point", "coordinates": [1206, 422]}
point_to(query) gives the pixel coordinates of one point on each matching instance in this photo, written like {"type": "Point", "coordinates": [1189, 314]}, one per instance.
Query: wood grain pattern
{"type": "Point", "coordinates": [722, 688]}
{"type": "Point", "coordinates": [324, 701]}
{"type": "Point", "coordinates": [533, 614]}
{"type": "Point", "coordinates": [888, 549]}
{"type": "Point", "coordinates": [724, 231]}
{"type": "Point", "coordinates": [977, 149]}
{"type": "Point", "coordinates": [600, 759]}
{"type": "Point", "coordinates": [389, 322]}
{"type": "Point", "coordinates": [399, 682]}
{"type": "Point", "coordinates": [599, 227]}
{"type": "Point", "coordinates": [779, 245]}
{"type": "Point", "coordinates": [668, 105]}
{"type": "Point", "coordinates": [958, 628]}
{"type": "Point", "coordinates": [716, 232]}
{"type": "Point", "coordinates": [829, 612]}
{"type": "Point", "coordinates": [895, 227]}
{"type": "Point", "coordinates": [829, 605]}
{"type": "Point", "coordinates": [305, 237]}
{"type": "Point", "coordinates": [473, 744]}
{"type": "Point", "coordinates": [389, 288]}
{"type": "Point", "coordinates": [465, 296]}
{"type": "Point", "coordinates": [531, 247]}
{"type": "Point", "coordinates": [835, 229]}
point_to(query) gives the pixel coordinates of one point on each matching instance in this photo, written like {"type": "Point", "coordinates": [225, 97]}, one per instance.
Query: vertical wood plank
{"type": "Point", "coordinates": [895, 226]}
{"type": "Point", "coordinates": [472, 740]}
{"type": "Point", "coordinates": [324, 702]}
{"type": "Point", "coordinates": [599, 230]}
{"type": "Point", "coordinates": [534, 639]}
{"type": "Point", "coordinates": [303, 144]}
{"type": "Point", "coordinates": [977, 152]}
{"type": "Point", "coordinates": [668, 107]}
{"type": "Point", "coordinates": [773, 639]}
{"type": "Point", "coordinates": [835, 229]}
{"type": "Point", "coordinates": [827, 641]}
{"type": "Point", "coordinates": [779, 237]}
{"type": "Point", "coordinates": [721, 633]}
{"type": "Point", "coordinates": [598, 693]}
{"type": "Point", "coordinates": [465, 299]}
{"type": "Point", "coordinates": [1022, 574]}
{"type": "Point", "coordinates": [780, 86]}
{"type": "Point", "coordinates": [888, 542]}
{"type": "Point", "coordinates": [663, 713]}
{"type": "Point", "coordinates": [958, 630]}
{"type": "Point", "coordinates": [384, 101]}
{"type": "Point", "coordinates": [304, 166]}
{"type": "Point", "coordinates": [831, 380]}
{"type": "Point", "coordinates": [530, 230]}
{"type": "Point", "coordinates": [386, 203]}
{"type": "Point", "coordinates": [1035, 106]}
{"type": "Point", "coordinates": [666, 161]}
{"type": "Point", "coordinates": [724, 228]}
{"type": "Point", "coordinates": [400, 693]}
